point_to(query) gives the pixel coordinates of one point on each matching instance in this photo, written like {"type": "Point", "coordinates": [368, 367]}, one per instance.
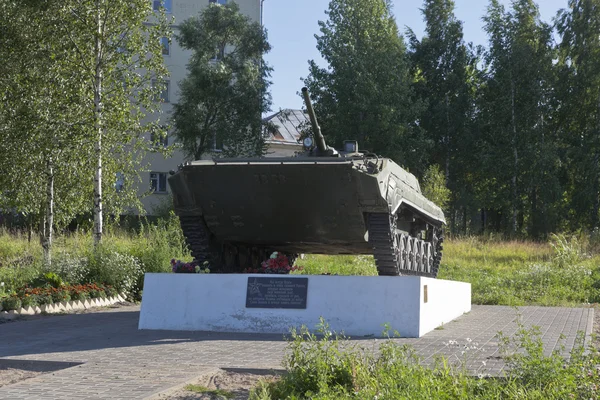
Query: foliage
{"type": "Point", "coordinates": [109, 267]}
{"type": "Point", "coordinates": [121, 261]}
{"type": "Point", "coordinates": [34, 296]}
{"type": "Point", "coordinates": [48, 278]}
{"type": "Point", "coordinates": [225, 92]}
{"type": "Point", "coordinates": [11, 303]}
{"type": "Point", "coordinates": [328, 366]}
{"type": "Point", "coordinates": [434, 187]}
{"type": "Point", "coordinates": [445, 80]}
{"type": "Point", "coordinates": [364, 91]}
{"type": "Point", "coordinates": [76, 85]}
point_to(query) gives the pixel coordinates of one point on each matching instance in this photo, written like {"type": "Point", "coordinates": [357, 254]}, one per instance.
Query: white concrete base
{"type": "Point", "coordinates": [355, 305]}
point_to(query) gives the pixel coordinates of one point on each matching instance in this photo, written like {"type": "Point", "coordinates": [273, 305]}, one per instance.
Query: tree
{"type": "Point", "coordinates": [444, 69]}
{"type": "Point", "coordinates": [76, 88]}
{"type": "Point", "coordinates": [225, 92]}
{"type": "Point", "coordinates": [38, 153]}
{"type": "Point", "coordinates": [515, 106]}
{"type": "Point", "coordinates": [364, 93]}
{"type": "Point", "coordinates": [579, 111]}
{"type": "Point", "coordinates": [117, 55]}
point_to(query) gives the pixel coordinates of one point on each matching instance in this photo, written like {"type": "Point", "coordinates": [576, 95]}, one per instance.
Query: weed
{"type": "Point", "coordinates": [327, 366]}
{"type": "Point", "coordinates": [218, 393]}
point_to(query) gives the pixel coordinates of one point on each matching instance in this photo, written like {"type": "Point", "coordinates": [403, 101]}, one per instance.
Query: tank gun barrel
{"type": "Point", "coordinates": [319, 139]}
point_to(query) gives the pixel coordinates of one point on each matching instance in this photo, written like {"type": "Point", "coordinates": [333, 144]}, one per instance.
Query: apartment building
{"type": "Point", "coordinates": [176, 60]}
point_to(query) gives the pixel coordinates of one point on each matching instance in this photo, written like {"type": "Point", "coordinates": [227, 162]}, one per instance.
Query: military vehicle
{"type": "Point", "coordinates": [235, 212]}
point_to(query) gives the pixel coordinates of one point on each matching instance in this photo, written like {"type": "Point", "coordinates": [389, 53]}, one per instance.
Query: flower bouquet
{"type": "Point", "coordinates": [278, 263]}
{"type": "Point", "coordinates": [192, 267]}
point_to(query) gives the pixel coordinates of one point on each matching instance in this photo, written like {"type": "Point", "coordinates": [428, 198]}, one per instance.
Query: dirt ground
{"type": "Point", "coordinates": [9, 376]}
{"type": "Point", "coordinates": [236, 382]}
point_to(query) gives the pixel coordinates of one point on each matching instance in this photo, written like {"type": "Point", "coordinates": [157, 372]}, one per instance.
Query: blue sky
{"type": "Point", "coordinates": [292, 25]}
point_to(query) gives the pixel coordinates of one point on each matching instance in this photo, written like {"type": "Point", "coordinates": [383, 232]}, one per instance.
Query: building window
{"type": "Point", "coordinates": [223, 2]}
{"type": "Point", "coordinates": [217, 143]}
{"type": "Point", "coordinates": [219, 54]}
{"type": "Point", "coordinates": [158, 182]}
{"type": "Point", "coordinates": [157, 4]}
{"type": "Point", "coordinates": [164, 93]}
{"type": "Point", "coordinates": [166, 46]}
{"type": "Point", "coordinates": [120, 182]}
{"type": "Point", "coordinates": [158, 139]}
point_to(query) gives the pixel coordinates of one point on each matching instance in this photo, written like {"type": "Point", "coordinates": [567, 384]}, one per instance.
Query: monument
{"type": "Point", "coordinates": [235, 212]}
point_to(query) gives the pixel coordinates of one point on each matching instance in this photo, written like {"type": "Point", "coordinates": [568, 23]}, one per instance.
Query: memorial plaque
{"type": "Point", "coordinates": [276, 292]}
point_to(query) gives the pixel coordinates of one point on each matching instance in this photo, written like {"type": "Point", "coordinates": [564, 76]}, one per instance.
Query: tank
{"type": "Point", "coordinates": [235, 212]}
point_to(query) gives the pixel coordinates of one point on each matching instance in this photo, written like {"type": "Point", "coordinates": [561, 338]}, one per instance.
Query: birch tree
{"type": "Point", "coordinates": [118, 56]}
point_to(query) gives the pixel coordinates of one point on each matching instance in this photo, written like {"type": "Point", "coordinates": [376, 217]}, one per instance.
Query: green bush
{"type": "Point", "coordinates": [122, 271]}
{"type": "Point", "coordinates": [44, 299]}
{"type": "Point", "coordinates": [79, 295]}
{"type": "Point", "coordinates": [29, 301]}
{"type": "Point", "coordinates": [48, 279]}
{"type": "Point", "coordinates": [11, 303]}
{"type": "Point", "coordinates": [60, 296]}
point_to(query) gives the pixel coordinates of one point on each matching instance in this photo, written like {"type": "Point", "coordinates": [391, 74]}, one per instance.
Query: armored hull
{"type": "Point", "coordinates": [234, 212]}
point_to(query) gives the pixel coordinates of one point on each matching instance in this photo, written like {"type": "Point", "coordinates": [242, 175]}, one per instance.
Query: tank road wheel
{"type": "Point", "coordinates": [427, 258]}
{"type": "Point", "coordinates": [402, 253]}
{"type": "Point", "coordinates": [396, 253]}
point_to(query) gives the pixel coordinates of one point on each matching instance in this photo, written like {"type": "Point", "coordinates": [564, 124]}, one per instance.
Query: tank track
{"type": "Point", "coordinates": [223, 257]}
{"type": "Point", "coordinates": [197, 237]}
{"type": "Point", "coordinates": [396, 253]}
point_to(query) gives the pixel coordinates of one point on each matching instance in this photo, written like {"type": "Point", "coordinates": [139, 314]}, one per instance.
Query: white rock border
{"type": "Point", "coordinates": [64, 306]}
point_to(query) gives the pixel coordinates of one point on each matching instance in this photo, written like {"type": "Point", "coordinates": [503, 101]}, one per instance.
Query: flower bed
{"type": "Point", "coordinates": [41, 296]}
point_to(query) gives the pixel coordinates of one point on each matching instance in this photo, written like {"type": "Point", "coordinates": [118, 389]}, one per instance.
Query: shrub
{"type": "Point", "coordinates": [11, 303]}
{"type": "Point", "coordinates": [48, 278]}
{"type": "Point", "coordinates": [60, 295]}
{"type": "Point", "coordinates": [29, 301]}
{"type": "Point", "coordinates": [122, 271]}
{"type": "Point", "coordinates": [78, 295]}
{"type": "Point", "coordinates": [70, 267]}
{"type": "Point", "coordinates": [44, 299]}
{"type": "Point", "coordinates": [567, 250]}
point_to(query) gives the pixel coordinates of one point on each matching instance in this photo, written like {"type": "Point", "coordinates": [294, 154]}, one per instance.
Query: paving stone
{"type": "Point", "coordinates": [120, 362]}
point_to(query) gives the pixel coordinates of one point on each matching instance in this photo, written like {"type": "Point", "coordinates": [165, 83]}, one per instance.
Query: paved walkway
{"type": "Point", "coordinates": [103, 355]}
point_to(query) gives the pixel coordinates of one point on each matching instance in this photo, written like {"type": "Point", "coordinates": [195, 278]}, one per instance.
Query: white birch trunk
{"type": "Point", "coordinates": [49, 217]}
{"type": "Point", "coordinates": [99, 130]}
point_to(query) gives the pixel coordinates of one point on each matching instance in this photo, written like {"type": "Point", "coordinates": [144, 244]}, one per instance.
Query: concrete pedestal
{"type": "Point", "coordinates": [355, 305]}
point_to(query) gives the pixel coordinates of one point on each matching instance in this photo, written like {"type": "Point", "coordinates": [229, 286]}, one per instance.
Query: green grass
{"type": "Point", "coordinates": [330, 367]}
{"type": "Point", "coordinates": [511, 273]}
{"type": "Point", "coordinates": [560, 273]}
{"type": "Point", "coordinates": [218, 393]}
{"type": "Point", "coordinates": [75, 259]}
